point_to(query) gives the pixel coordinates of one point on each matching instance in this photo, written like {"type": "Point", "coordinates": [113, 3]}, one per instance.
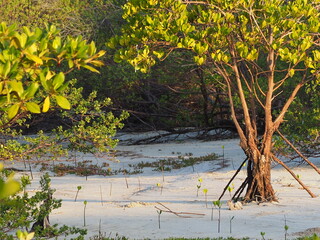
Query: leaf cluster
{"type": "Point", "coordinates": [32, 65]}
{"type": "Point", "coordinates": [20, 210]}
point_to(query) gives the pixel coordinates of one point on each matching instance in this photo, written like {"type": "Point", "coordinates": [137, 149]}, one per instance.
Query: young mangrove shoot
{"type": "Point", "coordinates": [78, 189]}
{"type": "Point", "coordinates": [84, 212]}
{"type": "Point", "coordinates": [159, 214]}
{"type": "Point", "coordinates": [199, 185]}
{"type": "Point", "coordinates": [231, 224]}
{"type": "Point", "coordinates": [218, 204]}
{"type": "Point", "coordinates": [205, 191]}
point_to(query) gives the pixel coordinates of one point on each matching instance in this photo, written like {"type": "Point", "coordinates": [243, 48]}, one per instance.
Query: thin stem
{"type": "Point", "coordinates": [101, 196]}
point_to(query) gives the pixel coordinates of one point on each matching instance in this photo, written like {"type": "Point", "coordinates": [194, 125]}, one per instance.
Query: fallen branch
{"type": "Point", "coordinates": [168, 210]}
{"type": "Point", "coordinates": [236, 173]}
{"type": "Point", "coordinates": [293, 175]}
{"type": "Point", "coordinates": [298, 152]}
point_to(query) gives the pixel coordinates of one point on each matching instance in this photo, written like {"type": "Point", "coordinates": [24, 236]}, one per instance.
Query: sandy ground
{"type": "Point", "coordinates": [126, 204]}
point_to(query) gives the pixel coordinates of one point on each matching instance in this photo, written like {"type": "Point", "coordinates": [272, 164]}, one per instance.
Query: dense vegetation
{"type": "Point", "coordinates": [177, 91]}
{"type": "Point", "coordinates": [46, 45]}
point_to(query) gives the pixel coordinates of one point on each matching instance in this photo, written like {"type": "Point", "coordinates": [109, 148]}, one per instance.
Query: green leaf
{"type": "Point", "coordinates": [31, 90]}
{"type": "Point", "coordinates": [63, 102]}
{"type": "Point", "coordinates": [92, 69]}
{"type": "Point", "coordinates": [291, 72]}
{"type": "Point", "coordinates": [8, 188]}
{"type": "Point", "coordinates": [33, 107]}
{"type": "Point", "coordinates": [34, 58]}
{"type": "Point", "coordinates": [159, 54]}
{"type": "Point", "coordinates": [17, 87]}
{"type": "Point", "coordinates": [92, 48]}
{"type": "Point", "coordinates": [46, 104]}
{"type": "Point", "coordinates": [58, 80]}
{"type": "Point", "coordinates": [70, 63]}
{"type": "Point", "coordinates": [56, 43]}
{"type": "Point", "coordinates": [6, 69]}
{"type": "Point", "coordinates": [24, 235]}
{"type": "Point", "coordinates": [43, 81]}
{"type": "Point", "coordinates": [199, 60]}
{"type": "Point", "coordinates": [13, 110]}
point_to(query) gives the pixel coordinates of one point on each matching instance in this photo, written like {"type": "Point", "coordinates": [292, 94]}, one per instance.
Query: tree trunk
{"type": "Point", "coordinates": [259, 180]}
{"type": "Point", "coordinates": [259, 168]}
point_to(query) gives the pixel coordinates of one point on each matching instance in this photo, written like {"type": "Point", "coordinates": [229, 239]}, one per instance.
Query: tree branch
{"type": "Point", "coordinates": [298, 152]}
{"type": "Point", "coordinates": [293, 175]}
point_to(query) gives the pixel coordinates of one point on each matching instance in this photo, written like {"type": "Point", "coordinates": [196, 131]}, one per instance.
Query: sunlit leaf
{"type": "Point", "coordinates": [31, 90]}
{"type": "Point", "coordinates": [33, 107]}
{"type": "Point", "coordinates": [8, 188]}
{"type": "Point", "coordinates": [13, 110]}
{"type": "Point", "coordinates": [46, 104]}
{"type": "Point", "coordinates": [17, 87]}
{"type": "Point", "coordinates": [58, 80]}
{"type": "Point", "coordinates": [92, 69]}
{"type": "Point", "coordinates": [34, 58]}
{"type": "Point", "coordinates": [63, 102]}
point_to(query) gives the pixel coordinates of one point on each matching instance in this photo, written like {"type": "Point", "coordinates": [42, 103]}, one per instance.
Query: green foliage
{"type": "Point", "coordinates": [32, 69]}
{"type": "Point", "coordinates": [175, 163]}
{"type": "Point", "coordinates": [217, 204]}
{"type": "Point", "coordinates": [235, 39]}
{"type": "Point", "coordinates": [313, 237]}
{"type": "Point", "coordinates": [90, 130]}
{"type": "Point", "coordinates": [8, 187]}
{"type": "Point", "coordinates": [20, 211]}
{"type": "Point", "coordinates": [34, 65]}
{"type": "Point", "coordinates": [302, 126]}
{"type": "Point", "coordinates": [24, 235]}
{"type": "Point", "coordinates": [206, 30]}
{"type": "Point", "coordinates": [75, 17]}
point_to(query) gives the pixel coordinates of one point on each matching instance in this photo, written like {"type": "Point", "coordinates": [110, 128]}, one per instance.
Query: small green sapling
{"type": "Point", "coordinates": [286, 227]}
{"type": "Point", "coordinates": [205, 191]}
{"type": "Point", "coordinates": [218, 204]}
{"type": "Point", "coordinates": [199, 185]}
{"type": "Point", "coordinates": [78, 189]}
{"type": "Point", "coordinates": [231, 223]}
{"type": "Point", "coordinates": [84, 212]}
{"type": "Point", "coordinates": [159, 214]}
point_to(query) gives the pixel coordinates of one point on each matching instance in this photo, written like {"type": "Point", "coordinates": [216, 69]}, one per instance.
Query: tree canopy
{"type": "Point", "coordinates": [29, 69]}
{"type": "Point", "coordinates": [264, 52]}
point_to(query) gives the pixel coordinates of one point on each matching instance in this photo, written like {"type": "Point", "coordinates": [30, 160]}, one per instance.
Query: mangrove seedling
{"type": "Point", "coordinates": [218, 204]}
{"type": "Point", "coordinates": [125, 177]}
{"type": "Point", "coordinates": [159, 214]}
{"type": "Point", "coordinates": [205, 191]}
{"type": "Point", "coordinates": [262, 235]}
{"type": "Point", "coordinates": [231, 224]}
{"type": "Point", "coordinates": [223, 155]}
{"type": "Point", "coordinates": [159, 185]}
{"type": "Point", "coordinates": [78, 189]}
{"type": "Point", "coordinates": [101, 199]}
{"type": "Point", "coordinates": [139, 183]}
{"type": "Point", "coordinates": [84, 212]}
{"type": "Point", "coordinates": [286, 227]}
{"type": "Point", "coordinates": [199, 185]}
{"type": "Point", "coordinates": [230, 189]}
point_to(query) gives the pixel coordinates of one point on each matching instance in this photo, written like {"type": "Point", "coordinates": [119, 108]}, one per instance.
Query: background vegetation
{"type": "Point", "coordinates": [175, 94]}
{"type": "Point", "coordinates": [170, 95]}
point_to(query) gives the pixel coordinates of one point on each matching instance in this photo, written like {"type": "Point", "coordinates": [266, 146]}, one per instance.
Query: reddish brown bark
{"type": "Point", "coordinates": [259, 177]}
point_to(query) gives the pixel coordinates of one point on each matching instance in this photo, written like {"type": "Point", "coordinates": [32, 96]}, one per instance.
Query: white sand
{"type": "Point", "coordinates": [131, 211]}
